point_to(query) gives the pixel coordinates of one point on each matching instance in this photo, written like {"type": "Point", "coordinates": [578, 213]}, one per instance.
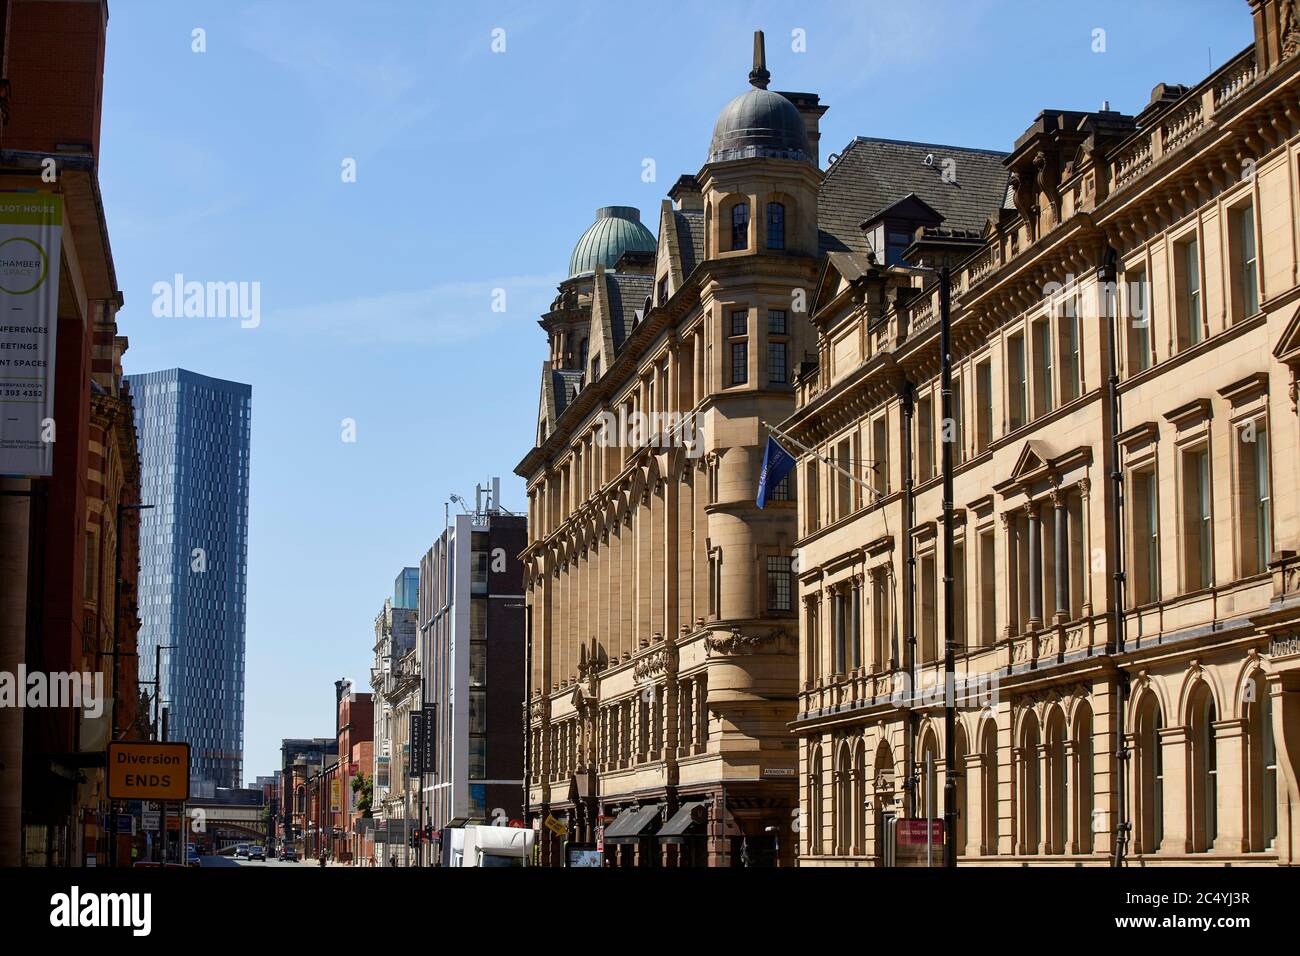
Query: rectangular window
{"type": "Point", "coordinates": [880, 621]}
{"type": "Point", "coordinates": [1198, 569]}
{"type": "Point", "coordinates": [896, 243]}
{"type": "Point", "coordinates": [812, 498]}
{"type": "Point", "coordinates": [477, 758]}
{"type": "Point", "coordinates": [959, 594]}
{"type": "Point", "coordinates": [1245, 291]}
{"type": "Point", "coordinates": [775, 225]}
{"type": "Point", "coordinates": [740, 322]}
{"type": "Point", "coordinates": [983, 406]}
{"type": "Point", "coordinates": [925, 438]}
{"type": "Point", "coordinates": [776, 322]}
{"type": "Point", "coordinates": [663, 291]}
{"type": "Point", "coordinates": [1255, 516]}
{"type": "Point", "coordinates": [1187, 281]}
{"type": "Point", "coordinates": [1042, 338]}
{"type": "Point", "coordinates": [779, 576]}
{"type": "Point", "coordinates": [91, 567]}
{"type": "Point", "coordinates": [776, 363]}
{"type": "Point", "coordinates": [958, 424]}
{"type": "Point", "coordinates": [1017, 385]}
{"type": "Point", "coordinates": [1068, 326]}
{"type": "Point", "coordinates": [478, 712]}
{"type": "Point", "coordinates": [927, 609]}
{"type": "Point", "coordinates": [1139, 321]}
{"type": "Point", "coordinates": [1145, 577]}
{"type": "Point", "coordinates": [739, 363]}
{"type": "Point", "coordinates": [843, 484]}
{"type": "Point", "coordinates": [987, 590]}
{"type": "Point", "coordinates": [781, 491]}
{"type": "Point", "coordinates": [477, 665]}
{"type": "Point", "coordinates": [880, 456]}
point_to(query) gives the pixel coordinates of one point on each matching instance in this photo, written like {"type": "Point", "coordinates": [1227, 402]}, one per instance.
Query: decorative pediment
{"type": "Point", "coordinates": [1288, 346]}
{"type": "Point", "coordinates": [1036, 463]}
{"type": "Point", "coordinates": [1033, 458]}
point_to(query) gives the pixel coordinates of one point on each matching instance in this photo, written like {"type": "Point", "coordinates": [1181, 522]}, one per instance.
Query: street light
{"type": "Point", "coordinates": [949, 635]}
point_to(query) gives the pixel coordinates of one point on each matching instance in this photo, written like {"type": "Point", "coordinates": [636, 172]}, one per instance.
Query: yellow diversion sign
{"type": "Point", "coordinates": [148, 770]}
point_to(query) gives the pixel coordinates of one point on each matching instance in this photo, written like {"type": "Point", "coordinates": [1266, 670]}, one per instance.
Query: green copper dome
{"type": "Point", "coordinates": [617, 230]}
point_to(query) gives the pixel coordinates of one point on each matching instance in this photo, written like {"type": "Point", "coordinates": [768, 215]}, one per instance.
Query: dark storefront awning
{"type": "Point", "coordinates": [688, 821]}
{"type": "Point", "coordinates": [632, 824]}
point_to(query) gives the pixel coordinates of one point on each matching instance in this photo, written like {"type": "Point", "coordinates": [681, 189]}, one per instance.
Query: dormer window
{"type": "Point", "coordinates": [775, 225]}
{"type": "Point", "coordinates": [595, 368]}
{"type": "Point", "coordinates": [663, 289]}
{"type": "Point", "coordinates": [896, 242]}
{"type": "Point", "coordinates": [740, 226]}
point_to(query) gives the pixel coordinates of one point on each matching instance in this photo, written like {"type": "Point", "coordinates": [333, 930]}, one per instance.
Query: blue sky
{"type": "Point", "coordinates": [475, 171]}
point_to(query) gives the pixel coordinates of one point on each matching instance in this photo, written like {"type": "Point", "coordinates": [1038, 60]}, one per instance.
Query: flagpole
{"type": "Point", "coordinates": [808, 451]}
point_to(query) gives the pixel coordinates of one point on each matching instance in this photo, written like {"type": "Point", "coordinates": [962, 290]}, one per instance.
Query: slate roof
{"type": "Point", "coordinates": [872, 174]}
{"type": "Point", "coordinates": [690, 237]}
{"type": "Point", "coordinates": [565, 382]}
{"type": "Point", "coordinates": [627, 294]}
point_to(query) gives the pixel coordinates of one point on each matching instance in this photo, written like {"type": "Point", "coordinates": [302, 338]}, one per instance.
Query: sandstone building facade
{"type": "Point", "coordinates": [662, 609]}
{"type": "Point", "coordinates": [1126, 346]}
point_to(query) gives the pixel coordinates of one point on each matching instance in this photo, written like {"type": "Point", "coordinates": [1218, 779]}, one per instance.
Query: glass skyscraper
{"type": "Point", "coordinates": [194, 449]}
{"type": "Point", "coordinates": [406, 588]}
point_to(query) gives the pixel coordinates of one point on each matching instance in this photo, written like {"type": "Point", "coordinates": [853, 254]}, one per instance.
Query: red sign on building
{"type": "Point", "coordinates": [913, 832]}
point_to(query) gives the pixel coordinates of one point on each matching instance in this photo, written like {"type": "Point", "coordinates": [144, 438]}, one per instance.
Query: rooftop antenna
{"type": "Point", "coordinates": [758, 76]}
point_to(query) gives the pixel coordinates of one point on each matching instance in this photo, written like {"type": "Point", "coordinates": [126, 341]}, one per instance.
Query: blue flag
{"type": "Point", "coordinates": [777, 463]}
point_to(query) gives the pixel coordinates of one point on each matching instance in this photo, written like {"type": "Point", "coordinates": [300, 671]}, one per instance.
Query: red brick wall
{"type": "Point", "coordinates": [56, 73]}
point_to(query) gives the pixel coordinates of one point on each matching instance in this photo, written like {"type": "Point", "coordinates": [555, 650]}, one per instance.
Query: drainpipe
{"type": "Point", "coordinates": [1107, 275]}
{"type": "Point", "coordinates": [909, 588]}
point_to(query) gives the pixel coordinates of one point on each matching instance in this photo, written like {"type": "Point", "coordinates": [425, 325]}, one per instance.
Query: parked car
{"type": "Point", "coordinates": [257, 853]}
{"type": "Point", "coordinates": [287, 853]}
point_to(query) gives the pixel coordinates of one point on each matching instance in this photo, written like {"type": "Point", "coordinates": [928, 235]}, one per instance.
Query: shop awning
{"type": "Point", "coordinates": [687, 822]}
{"type": "Point", "coordinates": [632, 824]}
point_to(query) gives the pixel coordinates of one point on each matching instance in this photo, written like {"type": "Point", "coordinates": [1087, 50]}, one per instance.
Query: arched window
{"type": "Point", "coordinates": [859, 799]}
{"type": "Point", "coordinates": [844, 812]}
{"type": "Point", "coordinates": [930, 792]}
{"type": "Point", "coordinates": [1083, 787]}
{"type": "Point", "coordinates": [989, 797]}
{"type": "Point", "coordinates": [1149, 788]}
{"type": "Point", "coordinates": [740, 225]}
{"type": "Point", "coordinates": [1205, 771]}
{"type": "Point", "coordinates": [815, 803]}
{"type": "Point", "coordinates": [883, 788]}
{"type": "Point", "coordinates": [1057, 805]}
{"type": "Point", "coordinates": [1261, 775]}
{"type": "Point", "coordinates": [775, 225]}
{"type": "Point", "coordinates": [961, 750]}
{"type": "Point", "coordinates": [1030, 788]}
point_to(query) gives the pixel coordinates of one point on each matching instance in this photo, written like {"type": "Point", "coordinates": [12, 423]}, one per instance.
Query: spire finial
{"type": "Point", "coordinates": [758, 76]}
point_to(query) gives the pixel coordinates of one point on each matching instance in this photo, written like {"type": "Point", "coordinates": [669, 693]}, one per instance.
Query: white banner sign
{"type": "Point", "coordinates": [31, 224]}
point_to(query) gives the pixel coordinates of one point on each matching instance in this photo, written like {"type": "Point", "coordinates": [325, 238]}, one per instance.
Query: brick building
{"type": "Point", "coordinates": [63, 537]}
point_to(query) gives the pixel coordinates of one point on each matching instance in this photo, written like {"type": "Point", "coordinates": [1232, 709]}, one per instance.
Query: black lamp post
{"type": "Point", "coordinates": [949, 635]}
